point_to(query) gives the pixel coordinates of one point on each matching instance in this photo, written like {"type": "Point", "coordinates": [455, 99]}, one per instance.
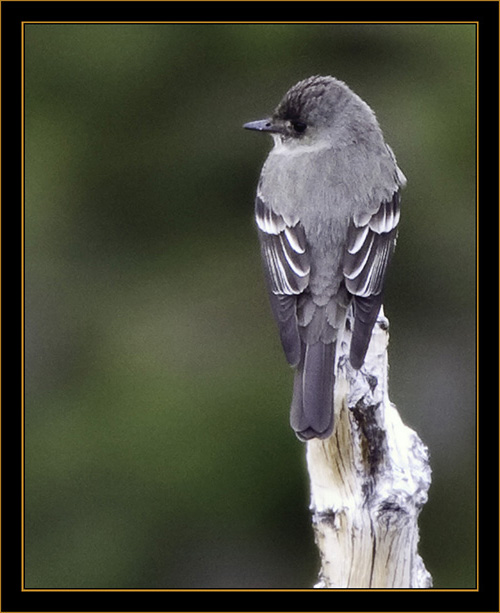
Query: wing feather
{"type": "Point", "coordinates": [284, 250]}
{"type": "Point", "coordinates": [369, 249]}
{"type": "Point", "coordinates": [287, 267]}
{"type": "Point", "coordinates": [370, 244]}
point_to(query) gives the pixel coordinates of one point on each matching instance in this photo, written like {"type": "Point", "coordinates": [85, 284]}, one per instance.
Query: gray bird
{"type": "Point", "coordinates": [327, 211]}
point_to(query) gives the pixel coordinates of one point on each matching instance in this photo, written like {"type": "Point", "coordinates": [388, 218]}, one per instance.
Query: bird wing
{"type": "Point", "coordinates": [370, 244]}
{"type": "Point", "coordinates": [287, 269]}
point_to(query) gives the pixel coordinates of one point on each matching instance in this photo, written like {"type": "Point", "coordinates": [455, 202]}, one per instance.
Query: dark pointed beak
{"type": "Point", "coordinates": [262, 125]}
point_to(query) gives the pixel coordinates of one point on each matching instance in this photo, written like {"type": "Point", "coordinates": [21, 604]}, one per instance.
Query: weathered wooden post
{"type": "Point", "coordinates": [369, 481]}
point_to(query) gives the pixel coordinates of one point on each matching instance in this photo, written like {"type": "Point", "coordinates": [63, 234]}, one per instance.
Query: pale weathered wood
{"type": "Point", "coordinates": [369, 481]}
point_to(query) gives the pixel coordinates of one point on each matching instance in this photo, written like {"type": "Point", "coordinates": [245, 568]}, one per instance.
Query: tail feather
{"type": "Point", "coordinates": [311, 413]}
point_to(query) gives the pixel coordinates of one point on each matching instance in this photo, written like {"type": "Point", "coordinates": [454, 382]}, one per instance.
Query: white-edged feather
{"type": "Point", "coordinates": [355, 272]}
{"type": "Point", "coordinates": [358, 239]}
{"type": "Point", "coordinates": [293, 241]}
{"type": "Point", "coordinates": [293, 263]}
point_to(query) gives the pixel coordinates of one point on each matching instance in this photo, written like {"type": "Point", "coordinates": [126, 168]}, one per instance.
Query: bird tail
{"type": "Point", "coordinates": [311, 413]}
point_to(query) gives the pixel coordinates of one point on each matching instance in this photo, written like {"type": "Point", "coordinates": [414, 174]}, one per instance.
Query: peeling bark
{"type": "Point", "coordinates": [369, 481]}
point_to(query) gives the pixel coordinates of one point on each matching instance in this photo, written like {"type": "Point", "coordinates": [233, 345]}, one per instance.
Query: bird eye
{"type": "Point", "coordinates": [299, 126]}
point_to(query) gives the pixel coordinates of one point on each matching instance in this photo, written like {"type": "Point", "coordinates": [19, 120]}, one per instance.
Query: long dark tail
{"type": "Point", "coordinates": [311, 413]}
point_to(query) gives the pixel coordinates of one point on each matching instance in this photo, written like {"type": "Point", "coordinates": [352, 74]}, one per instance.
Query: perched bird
{"type": "Point", "coordinates": [327, 211]}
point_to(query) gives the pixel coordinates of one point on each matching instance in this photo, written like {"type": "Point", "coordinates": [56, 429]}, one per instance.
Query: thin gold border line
{"type": "Point", "coordinates": [23, 24]}
{"type": "Point", "coordinates": [477, 307]}
{"type": "Point", "coordinates": [22, 310]}
{"type": "Point", "coordinates": [308, 589]}
{"type": "Point", "coordinates": [248, 22]}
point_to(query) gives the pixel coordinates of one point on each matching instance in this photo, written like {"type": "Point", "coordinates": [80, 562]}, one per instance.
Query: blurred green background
{"type": "Point", "coordinates": [158, 451]}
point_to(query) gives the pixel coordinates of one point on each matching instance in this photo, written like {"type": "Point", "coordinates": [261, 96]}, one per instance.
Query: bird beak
{"type": "Point", "coordinates": [262, 125]}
